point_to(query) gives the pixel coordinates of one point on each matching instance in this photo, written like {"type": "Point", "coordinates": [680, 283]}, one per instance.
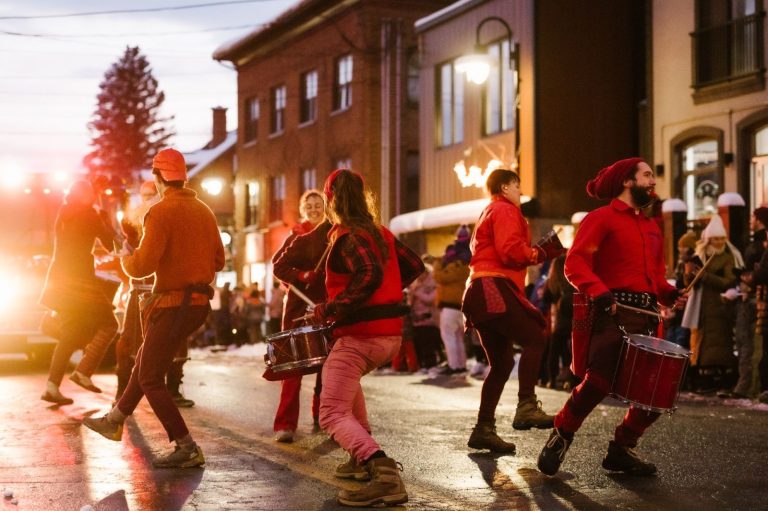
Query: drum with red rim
{"type": "Point", "coordinates": [300, 348]}
{"type": "Point", "coordinates": [649, 373]}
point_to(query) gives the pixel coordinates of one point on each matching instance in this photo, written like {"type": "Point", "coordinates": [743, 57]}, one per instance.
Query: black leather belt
{"type": "Point", "coordinates": [642, 300]}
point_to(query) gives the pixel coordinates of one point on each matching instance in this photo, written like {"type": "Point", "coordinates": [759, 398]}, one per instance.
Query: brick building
{"type": "Point", "coordinates": [328, 84]}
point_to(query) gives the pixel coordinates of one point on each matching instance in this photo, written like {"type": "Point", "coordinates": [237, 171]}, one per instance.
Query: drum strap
{"type": "Point", "coordinates": [374, 312]}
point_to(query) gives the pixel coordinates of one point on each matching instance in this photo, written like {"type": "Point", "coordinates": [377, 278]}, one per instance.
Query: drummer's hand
{"type": "Point", "coordinates": [307, 276]}
{"type": "Point", "coordinates": [605, 303]}
{"type": "Point", "coordinates": [320, 314]}
{"type": "Point", "coordinates": [681, 300]}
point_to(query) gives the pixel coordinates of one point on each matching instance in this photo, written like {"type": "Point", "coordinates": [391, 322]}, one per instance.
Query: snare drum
{"type": "Point", "coordinates": [299, 348]}
{"type": "Point", "coordinates": [649, 373]}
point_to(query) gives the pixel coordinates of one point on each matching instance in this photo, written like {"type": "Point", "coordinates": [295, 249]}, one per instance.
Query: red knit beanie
{"type": "Point", "coordinates": [328, 188]}
{"type": "Point", "coordinates": [609, 182]}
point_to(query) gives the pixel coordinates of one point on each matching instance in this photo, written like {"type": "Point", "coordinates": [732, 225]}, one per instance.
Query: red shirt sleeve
{"type": "Point", "coordinates": [511, 238]}
{"type": "Point", "coordinates": [579, 261]}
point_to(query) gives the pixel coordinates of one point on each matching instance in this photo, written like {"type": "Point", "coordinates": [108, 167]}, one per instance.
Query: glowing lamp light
{"type": "Point", "coordinates": [226, 238]}
{"type": "Point", "coordinates": [108, 191]}
{"type": "Point", "coordinates": [46, 191]}
{"type": "Point", "coordinates": [120, 215]}
{"type": "Point", "coordinates": [213, 185]}
{"type": "Point", "coordinates": [477, 67]}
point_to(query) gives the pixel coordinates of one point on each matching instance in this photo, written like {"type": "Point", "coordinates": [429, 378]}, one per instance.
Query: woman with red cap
{"type": "Point", "coordinates": [366, 271]}
{"type": "Point", "coordinates": [294, 264]}
{"type": "Point", "coordinates": [616, 257]}
{"type": "Point", "coordinates": [496, 307]}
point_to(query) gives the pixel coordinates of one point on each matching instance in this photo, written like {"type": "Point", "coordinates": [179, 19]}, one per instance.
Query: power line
{"type": "Point", "coordinates": [142, 34]}
{"type": "Point", "coordinates": [132, 11]}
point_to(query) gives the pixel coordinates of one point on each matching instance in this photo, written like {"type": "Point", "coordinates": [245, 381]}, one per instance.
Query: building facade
{"type": "Point", "coordinates": [710, 105]}
{"type": "Point", "coordinates": [566, 96]}
{"type": "Point", "coordinates": [328, 84]}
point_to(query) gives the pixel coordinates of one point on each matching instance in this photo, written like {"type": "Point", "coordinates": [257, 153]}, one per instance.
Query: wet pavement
{"type": "Point", "coordinates": [711, 454]}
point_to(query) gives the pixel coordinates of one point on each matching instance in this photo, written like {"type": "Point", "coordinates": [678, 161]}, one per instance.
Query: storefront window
{"type": "Point", "coordinates": [761, 142]}
{"type": "Point", "coordinates": [701, 178]}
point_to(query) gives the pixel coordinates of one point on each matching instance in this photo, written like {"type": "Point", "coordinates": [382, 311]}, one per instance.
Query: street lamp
{"type": "Point", "coordinates": [477, 65]}
{"type": "Point", "coordinates": [213, 185]}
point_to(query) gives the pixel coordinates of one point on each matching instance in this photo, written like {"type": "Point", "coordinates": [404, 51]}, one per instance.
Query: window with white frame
{"type": "Point", "coordinates": [500, 91]}
{"type": "Point", "coordinates": [277, 95]}
{"type": "Point", "coordinates": [251, 128]}
{"type": "Point", "coordinates": [344, 163]}
{"type": "Point", "coordinates": [450, 106]}
{"type": "Point", "coordinates": [342, 83]}
{"type": "Point", "coordinates": [308, 179]}
{"type": "Point", "coordinates": [308, 110]}
{"type": "Point", "coordinates": [277, 189]}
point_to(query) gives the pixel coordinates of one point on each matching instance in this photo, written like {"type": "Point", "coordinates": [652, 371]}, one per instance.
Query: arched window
{"type": "Point", "coordinates": [701, 178]}
{"type": "Point", "coordinates": [698, 167]}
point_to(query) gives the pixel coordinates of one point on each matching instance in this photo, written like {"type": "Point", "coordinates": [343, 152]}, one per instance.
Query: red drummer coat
{"type": "Point", "coordinates": [616, 247]}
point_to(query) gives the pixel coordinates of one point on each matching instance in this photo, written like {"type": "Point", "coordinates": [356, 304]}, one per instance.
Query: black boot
{"type": "Point", "coordinates": [484, 437]}
{"type": "Point", "coordinates": [624, 459]}
{"type": "Point", "coordinates": [553, 453]}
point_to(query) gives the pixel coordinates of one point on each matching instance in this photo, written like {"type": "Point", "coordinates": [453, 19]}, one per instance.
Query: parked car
{"type": "Point", "coordinates": [21, 280]}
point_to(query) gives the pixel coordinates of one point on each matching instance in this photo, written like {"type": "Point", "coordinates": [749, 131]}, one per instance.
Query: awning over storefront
{"type": "Point", "coordinates": [442, 216]}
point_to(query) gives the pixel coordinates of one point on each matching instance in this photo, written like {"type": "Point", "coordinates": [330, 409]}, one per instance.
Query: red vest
{"type": "Point", "coordinates": [389, 292]}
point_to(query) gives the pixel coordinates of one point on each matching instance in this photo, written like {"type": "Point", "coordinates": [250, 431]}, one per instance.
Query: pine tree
{"type": "Point", "coordinates": [126, 127]}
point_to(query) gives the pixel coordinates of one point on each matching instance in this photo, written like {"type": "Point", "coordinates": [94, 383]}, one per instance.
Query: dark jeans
{"type": "Point", "coordinates": [428, 344]}
{"type": "Point", "coordinates": [153, 361]}
{"type": "Point", "coordinates": [497, 338]}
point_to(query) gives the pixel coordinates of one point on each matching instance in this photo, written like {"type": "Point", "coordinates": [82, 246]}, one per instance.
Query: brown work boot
{"type": "Point", "coordinates": [484, 437]}
{"type": "Point", "coordinates": [352, 470]}
{"type": "Point", "coordinates": [105, 427]}
{"type": "Point", "coordinates": [385, 487]}
{"type": "Point", "coordinates": [530, 415]}
{"type": "Point", "coordinates": [621, 458]}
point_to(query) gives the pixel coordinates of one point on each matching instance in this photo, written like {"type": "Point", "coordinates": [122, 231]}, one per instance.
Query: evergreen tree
{"type": "Point", "coordinates": [126, 127]}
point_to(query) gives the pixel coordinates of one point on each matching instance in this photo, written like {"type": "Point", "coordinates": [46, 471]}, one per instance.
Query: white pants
{"type": "Point", "coordinates": [452, 332]}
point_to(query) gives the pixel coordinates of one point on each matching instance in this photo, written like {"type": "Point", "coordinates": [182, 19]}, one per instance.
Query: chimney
{"type": "Point", "coordinates": [219, 125]}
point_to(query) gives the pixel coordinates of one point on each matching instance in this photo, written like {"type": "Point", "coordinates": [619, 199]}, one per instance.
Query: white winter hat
{"type": "Point", "coordinates": [714, 229]}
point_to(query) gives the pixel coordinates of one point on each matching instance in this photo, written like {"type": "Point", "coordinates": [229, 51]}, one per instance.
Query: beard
{"type": "Point", "coordinates": [642, 196]}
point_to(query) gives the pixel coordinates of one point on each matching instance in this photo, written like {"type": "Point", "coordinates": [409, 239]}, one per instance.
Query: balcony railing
{"type": "Point", "coordinates": [727, 52]}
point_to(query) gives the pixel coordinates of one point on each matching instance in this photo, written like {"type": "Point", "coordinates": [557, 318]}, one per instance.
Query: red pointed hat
{"type": "Point", "coordinates": [609, 182]}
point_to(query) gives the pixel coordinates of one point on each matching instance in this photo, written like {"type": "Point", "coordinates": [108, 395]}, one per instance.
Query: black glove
{"type": "Point", "coordinates": [604, 302]}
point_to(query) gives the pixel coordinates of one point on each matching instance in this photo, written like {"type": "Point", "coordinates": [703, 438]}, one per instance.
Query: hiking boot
{"type": "Point", "coordinates": [284, 436]}
{"type": "Point", "coordinates": [385, 487]}
{"type": "Point", "coordinates": [553, 453]}
{"type": "Point", "coordinates": [352, 470]}
{"type": "Point", "coordinates": [484, 437]}
{"type": "Point", "coordinates": [56, 398]}
{"type": "Point", "coordinates": [181, 457]}
{"type": "Point", "coordinates": [105, 427]}
{"type": "Point", "coordinates": [183, 402]}
{"type": "Point", "coordinates": [624, 459]}
{"type": "Point", "coordinates": [530, 415]}
{"type": "Point", "coordinates": [84, 381]}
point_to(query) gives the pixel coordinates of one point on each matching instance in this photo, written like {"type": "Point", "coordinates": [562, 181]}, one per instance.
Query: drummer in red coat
{"type": "Point", "coordinates": [299, 263]}
{"type": "Point", "coordinates": [616, 258]}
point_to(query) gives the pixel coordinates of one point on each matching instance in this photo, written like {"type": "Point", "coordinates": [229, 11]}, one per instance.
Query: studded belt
{"type": "Point", "coordinates": [642, 300]}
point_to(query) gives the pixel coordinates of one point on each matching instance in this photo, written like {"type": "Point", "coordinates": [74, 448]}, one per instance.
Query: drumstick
{"type": "Point", "coordinates": [306, 316]}
{"type": "Point", "coordinates": [698, 276]}
{"type": "Point", "coordinates": [322, 257]}
{"type": "Point", "coordinates": [301, 295]}
{"type": "Point", "coordinates": [640, 311]}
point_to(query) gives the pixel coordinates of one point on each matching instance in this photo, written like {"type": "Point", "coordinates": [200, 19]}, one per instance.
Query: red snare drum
{"type": "Point", "coordinates": [649, 373]}
{"type": "Point", "coordinates": [304, 348]}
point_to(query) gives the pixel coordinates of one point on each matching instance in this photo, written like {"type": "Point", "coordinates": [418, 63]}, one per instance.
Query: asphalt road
{"type": "Point", "coordinates": [711, 454]}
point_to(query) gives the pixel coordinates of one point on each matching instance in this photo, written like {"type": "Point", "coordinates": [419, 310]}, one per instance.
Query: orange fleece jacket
{"type": "Point", "coordinates": [181, 243]}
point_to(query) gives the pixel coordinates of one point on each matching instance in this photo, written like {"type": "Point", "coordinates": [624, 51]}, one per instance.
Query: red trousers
{"type": "Point", "coordinates": [287, 415]}
{"type": "Point", "coordinates": [406, 354]}
{"type": "Point", "coordinates": [604, 352]}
